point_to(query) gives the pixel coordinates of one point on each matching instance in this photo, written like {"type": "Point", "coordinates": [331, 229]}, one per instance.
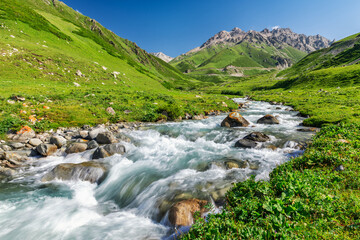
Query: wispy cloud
{"type": "Point", "coordinates": [78, 11]}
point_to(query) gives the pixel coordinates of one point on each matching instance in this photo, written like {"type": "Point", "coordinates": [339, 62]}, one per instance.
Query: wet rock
{"type": "Point", "coordinates": [86, 171]}
{"type": "Point", "coordinates": [7, 172]}
{"type": "Point", "coordinates": [14, 157]}
{"type": "Point", "coordinates": [35, 142]}
{"type": "Point", "coordinates": [254, 165]}
{"type": "Point", "coordinates": [235, 164]}
{"type": "Point", "coordinates": [122, 137]}
{"type": "Point", "coordinates": [219, 194]}
{"type": "Point", "coordinates": [268, 119]}
{"type": "Point", "coordinates": [6, 147]}
{"type": "Point", "coordinates": [245, 143]}
{"type": "Point", "coordinates": [272, 147]}
{"type": "Point", "coordinates": [92, 144]}
{"type": "Point", "coordinates": [17, 145]}
{"type": "Point", "coordinates": [46, 149]}
{"type": "Point", "coordinates": [257, 137]}
{"type": "Point", "coordinates": [183, 196]}
{"type": "Point", "coordinates": [198, 117]}
{"type": "Point", "coordinates": [108, 150]}
{"type": "Point", "coordinates": [58, 141]}
{"type": "Point", "coordinates": [234, 120]}
{"type": "Point", "coordinates": [76, 148]}
{"type": "Point", "coordinates": [105, 138]}
{"type": "Point", "coordinates": [94, 133]}
{"type": "Point", "coordinates": [181, 214]}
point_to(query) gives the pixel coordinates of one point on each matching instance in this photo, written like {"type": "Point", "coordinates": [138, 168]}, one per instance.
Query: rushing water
{"type": "Point", "coordinates": [164, 163]}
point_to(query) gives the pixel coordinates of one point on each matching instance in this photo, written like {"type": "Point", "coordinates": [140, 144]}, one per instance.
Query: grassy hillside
{"type": "Point", "coordinates": [341, 54]}
{"type": "Point", "coordinates": [244, 56]}
{"type": "Point", "coordinates": [70, 69]}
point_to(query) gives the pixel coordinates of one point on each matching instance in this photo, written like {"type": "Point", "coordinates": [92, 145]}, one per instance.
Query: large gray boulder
{"type": "Point", "coordinates": [86, 171]}
{"type": "Point", "coordinates": [105, 138]}
{"type": "Point", "coordinates": [257, 137]}
{"type": "Point", "coordinates": [58, 141]}
{"type": "Point", "coordinates": [92, 144]}
{"type": "Point", "coordinates": [108, 150]}
{"type": "Point", "coordinates": [245, 143]}
{"type": "Point", "coordinates": [234, 119]}
{"type": "Point", "coordinates": [35, 142]}
{"type": "Point", "coordinates": [268, 119]}
{"type": "Point", "coordinates": [17, 145]}
{"type": "Point", "coordinates": [76, 148]}
{"type": "Point", "coordinates": [46, 149]}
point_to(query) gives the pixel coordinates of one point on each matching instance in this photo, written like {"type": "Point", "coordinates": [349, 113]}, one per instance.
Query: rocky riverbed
{"type": "Point", "coordinates": [135, 180]}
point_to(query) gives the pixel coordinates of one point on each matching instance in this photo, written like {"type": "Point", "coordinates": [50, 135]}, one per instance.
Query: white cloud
{"type": "Point", "coordinates": [275, 27]}
{"type": "Point", "coordinates": [78, 11]}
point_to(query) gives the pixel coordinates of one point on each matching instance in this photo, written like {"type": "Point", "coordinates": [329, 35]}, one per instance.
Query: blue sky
{"type": "Point", "coordinates": [176, 26]}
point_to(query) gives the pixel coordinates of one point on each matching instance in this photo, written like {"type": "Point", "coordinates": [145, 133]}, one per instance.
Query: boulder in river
{"type": "Point", "coordinates": [235, 119]}
{"type": "Point", "coordinates": [181, 213]}
{"type": "Point", "coordinates": [76, 148]}
{"type": "Point", "coordinates": [245, 143]}
{"type": "Point", "coordinates": [235, 164]}
{"type": "Point", "coordinates": [257, 137]}
{"type": "Point", "coordinates": [7, 172]}
{"type": "Point", "coordinates": [94, 133]}
{"type": "Point", "coordinates": [35, 142]}
{"type": "Point", "coordinates": [108, 150]}
{"type": "Point", "coordinates": [268, 119]}
{"type": "Point", "coordinates": [86, 171]}
{"type": "Point", "coordinates": [105, 138]}
{"type": "Point", "coordinates": [46, 149]}
{"type": "Point", "coordinates": [92, 144]}
{"type": "Point", "coordinates": [58, 141]}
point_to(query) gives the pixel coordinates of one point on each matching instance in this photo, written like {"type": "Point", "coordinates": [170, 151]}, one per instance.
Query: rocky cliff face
{"type": "Point", "coordinates": [275, 37]}
{"type": "Point", "coordinates": [163, 56]}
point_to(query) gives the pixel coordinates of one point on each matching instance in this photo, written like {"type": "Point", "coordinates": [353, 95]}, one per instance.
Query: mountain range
{"type": "Point", "coordinates": [242, 51]}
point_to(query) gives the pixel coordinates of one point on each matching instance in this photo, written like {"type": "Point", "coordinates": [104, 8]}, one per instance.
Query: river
{"type": "Point", "coordinates": [164, 163]}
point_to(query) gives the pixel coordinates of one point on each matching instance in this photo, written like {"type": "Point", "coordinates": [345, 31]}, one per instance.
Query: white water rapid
{"type": "Point", "coordinates": [164, 163]}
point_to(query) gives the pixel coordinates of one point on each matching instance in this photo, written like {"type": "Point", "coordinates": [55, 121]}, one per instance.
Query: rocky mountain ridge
{"type": "Point", "coordinates": [162, 56]}
{"type": "Point", "coordinates": [275, 37]}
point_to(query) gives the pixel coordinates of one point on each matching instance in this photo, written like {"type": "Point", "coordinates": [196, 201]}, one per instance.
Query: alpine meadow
{"type": "Point", "coordinates": [253, 134]}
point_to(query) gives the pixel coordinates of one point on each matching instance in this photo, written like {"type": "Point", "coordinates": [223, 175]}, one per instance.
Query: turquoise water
{"type": "Point", "coordinates": [164, 164]}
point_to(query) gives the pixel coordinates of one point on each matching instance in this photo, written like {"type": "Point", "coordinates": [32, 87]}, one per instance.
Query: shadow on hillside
{"type": "Point", "coordinates": [286, 84]}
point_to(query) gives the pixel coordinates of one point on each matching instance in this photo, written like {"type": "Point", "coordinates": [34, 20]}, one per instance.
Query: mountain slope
{"type": "Point", "coordinates": [47, 16]}
{"type": "Point", "coordinates": [265, 50]}
{"type": "Point", "coordinates": [70, 70]}
{"type": "Point", "coordinates": [335, 66]}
